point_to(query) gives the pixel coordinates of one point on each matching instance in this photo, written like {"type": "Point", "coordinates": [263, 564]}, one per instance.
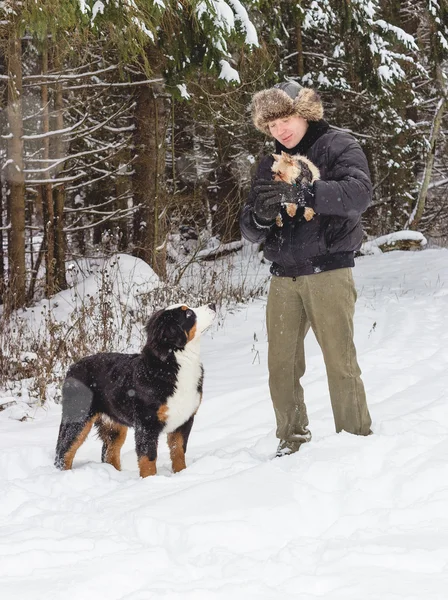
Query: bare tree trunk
{"type": "Point", "coordinates": [47, 188]}
{"type": "Point", "coordinates": [35, 271]}
{"type": "Point", "coordinates": [173, 147]}
{"type": "Point", "coordinates": [123, 191]}
{"type": "Point", "coordinates": [419, 208]}
{"type": "Point", "coordinates": [59, 239]}
{"type": "Point", "coordinates": [3, 198]}
{"type": "Point", "coordinates": [15, 174]}
{"type": "Point", "coordinates": [59, 191]}
{"type": "Point", "coordinates": [2, 257]}
{"type": "Point", "coordinates": [140, 179]}
{"type": "Point", "coordinates": [152, 114]}
{"type": "Point", "coordinates": [300, 65]}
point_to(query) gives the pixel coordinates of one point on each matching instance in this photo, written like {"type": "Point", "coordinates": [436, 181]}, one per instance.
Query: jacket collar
{"type": "Point", "coordinates": [313, 133]}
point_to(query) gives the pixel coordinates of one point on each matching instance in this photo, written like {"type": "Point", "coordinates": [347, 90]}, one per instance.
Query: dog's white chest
{"type": "Point", "coordinates": [186, 398]}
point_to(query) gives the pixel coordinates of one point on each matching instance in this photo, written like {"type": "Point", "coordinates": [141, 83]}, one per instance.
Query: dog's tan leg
{"type": "Point", "coordinates": [177, 452]}
{"type": "Point", "coordinates": [114, 449]}
{"type": "Point", "coordinates": [112, 455]}
{"type": "Point", "coordinates": [147, 467]}
{"type": "Point", "coordinates": [78, 441]}
{"type": "Point", "coordinates": [146, 441]}
{"type": "Point", "coordinates": [113, 436]}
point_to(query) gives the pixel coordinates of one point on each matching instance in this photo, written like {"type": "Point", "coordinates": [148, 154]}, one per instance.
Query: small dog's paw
{"type": "Point", "coordinates": [291, 209]}
{"type": "Point", "coordinates": [308, 213]}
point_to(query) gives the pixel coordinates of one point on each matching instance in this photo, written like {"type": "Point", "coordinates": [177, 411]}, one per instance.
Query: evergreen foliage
{"type": "Point", "coordinates": [188, 69]}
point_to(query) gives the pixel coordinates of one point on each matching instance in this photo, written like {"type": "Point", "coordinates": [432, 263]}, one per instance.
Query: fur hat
{"type": "Point", "coordinates": [285, 100]}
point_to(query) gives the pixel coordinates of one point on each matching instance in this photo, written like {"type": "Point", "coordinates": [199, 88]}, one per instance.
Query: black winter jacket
{"type": "Point", "coordinates": [342, 194]}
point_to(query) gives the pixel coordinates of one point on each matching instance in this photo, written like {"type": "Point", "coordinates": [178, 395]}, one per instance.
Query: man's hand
{"type": "Point", "coordinates": [266, 208]}
{"type": "Point", "coordinates": [279, 192]}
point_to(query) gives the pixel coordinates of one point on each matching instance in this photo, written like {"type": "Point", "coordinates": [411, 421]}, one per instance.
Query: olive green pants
{"type": "Point", "coordinates": [326, 303]}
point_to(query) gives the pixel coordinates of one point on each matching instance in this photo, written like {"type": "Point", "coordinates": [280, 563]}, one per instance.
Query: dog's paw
{"type": "Point", "coordinates": [308, 213]}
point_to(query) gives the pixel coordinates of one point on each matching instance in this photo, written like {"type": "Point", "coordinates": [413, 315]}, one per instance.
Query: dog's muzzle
{"type": "Point", "coordinates": [205, 315]}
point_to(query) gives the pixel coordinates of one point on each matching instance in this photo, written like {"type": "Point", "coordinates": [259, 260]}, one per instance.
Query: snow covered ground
{"type": "Point", "coordinates": [347, 518]}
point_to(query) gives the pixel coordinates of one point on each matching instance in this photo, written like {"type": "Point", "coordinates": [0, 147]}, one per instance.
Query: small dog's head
{"type": "Point", "coordinates": [294, 169]}
{"type": "Point", "coordinates": [172, 328]}
{"type": "Point", "coordinates": [285, 168]}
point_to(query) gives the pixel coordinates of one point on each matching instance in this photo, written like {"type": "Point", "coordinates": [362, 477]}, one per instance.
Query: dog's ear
{"type": "Point", "coordinates": [164, 334]}
{"type": "Point", "coordinates": [174, 335]}
{"type": "Point", "coordinates": [287, 158]}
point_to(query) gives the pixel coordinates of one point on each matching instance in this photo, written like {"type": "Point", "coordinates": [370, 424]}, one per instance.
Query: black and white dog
{"type": "Point", "coordinates": [158, 390]}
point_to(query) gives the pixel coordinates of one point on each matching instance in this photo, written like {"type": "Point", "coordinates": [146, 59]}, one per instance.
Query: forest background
{"type": "Point", "coordinates": [125, 129]}
{"type": "Point", "coordinates": [125, 123]}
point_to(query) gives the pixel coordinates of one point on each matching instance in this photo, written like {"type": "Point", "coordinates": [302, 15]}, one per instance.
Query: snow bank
{"type": "Point", "coordinates": [346, 518]}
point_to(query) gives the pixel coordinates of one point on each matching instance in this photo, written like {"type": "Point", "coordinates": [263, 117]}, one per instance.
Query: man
{"type": "Point", "coordinates": [312, 283]}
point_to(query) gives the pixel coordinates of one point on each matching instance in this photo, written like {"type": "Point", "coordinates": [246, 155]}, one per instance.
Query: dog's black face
{"type": "Point", "coordinates": [168, 330]}
{"type": "Point", "coordinates": [172, 328]}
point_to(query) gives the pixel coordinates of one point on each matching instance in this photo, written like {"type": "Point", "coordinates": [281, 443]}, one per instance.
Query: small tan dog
{"type": "Point", "coordinates": [289, 169]}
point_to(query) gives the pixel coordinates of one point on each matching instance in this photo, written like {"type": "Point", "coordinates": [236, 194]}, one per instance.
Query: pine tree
{"type": "Point", "coordinates": [15, 168]}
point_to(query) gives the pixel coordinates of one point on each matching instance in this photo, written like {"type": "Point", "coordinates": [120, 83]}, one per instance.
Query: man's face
{"type": "Point", "coordinates": [288, 131]}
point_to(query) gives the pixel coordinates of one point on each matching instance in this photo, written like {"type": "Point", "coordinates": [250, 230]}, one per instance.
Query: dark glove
{"type": "Point", "coordinates": [279, 192]}
{"type": "Point", "coordinates": [266, 209]}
